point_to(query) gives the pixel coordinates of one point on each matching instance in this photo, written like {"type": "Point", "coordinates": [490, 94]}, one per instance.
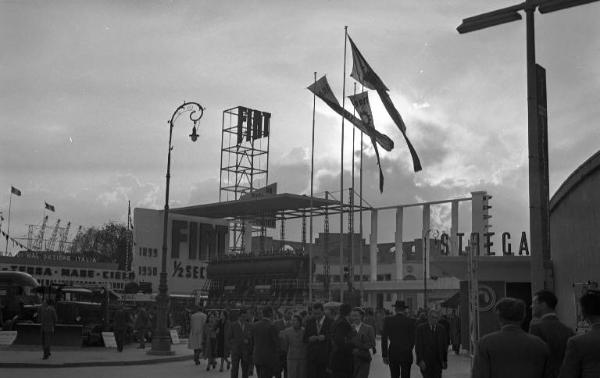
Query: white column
{"type": "Point", "coordinates": [247, 237]}
{"type": "Point", "coordinates": [478, 221]}
{"type": "Point", "coordinates": [426, 226]}
{"type": "Point", "coordinates": [454, 230]}
{"type": "Point", "coordinates": [373, 246]}
{"type": "Point", "coordinates": [399, 252]}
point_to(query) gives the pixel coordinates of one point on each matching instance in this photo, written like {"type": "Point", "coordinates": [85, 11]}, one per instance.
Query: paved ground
{"type": "Point", "coordinates": [31, 356]}
{"type": "Point", "coordinates": [458, 368]}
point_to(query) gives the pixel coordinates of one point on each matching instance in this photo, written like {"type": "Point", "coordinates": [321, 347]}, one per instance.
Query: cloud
{"type": "Point", "coordinates": [109, 75]}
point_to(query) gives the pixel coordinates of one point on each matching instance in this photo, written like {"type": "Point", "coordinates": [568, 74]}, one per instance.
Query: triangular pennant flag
{"type": "Point", "coordinates": [323, 91]}
{"type": "Point", "coordinates": [362, 71]}
{"type": "Point", "coordinates": [363, 108]}
{"type": "Point", "coordinates": [389, 106]}
{"type": "Point", "coordinates": [364, 74]}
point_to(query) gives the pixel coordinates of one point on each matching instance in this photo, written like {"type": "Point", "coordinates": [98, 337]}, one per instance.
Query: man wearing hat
{"type": "Point", "coordinates": [400, 331]}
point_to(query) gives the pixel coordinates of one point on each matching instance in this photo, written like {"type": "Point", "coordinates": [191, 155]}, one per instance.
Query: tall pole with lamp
{"type": "Point", "coordinates": [539, 218]}
{"type": "Point", "coordinates": [161, 341]}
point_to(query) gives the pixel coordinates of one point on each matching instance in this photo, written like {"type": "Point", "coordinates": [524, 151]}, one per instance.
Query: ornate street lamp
{"type": "Point", "coordinates": [161, 340]}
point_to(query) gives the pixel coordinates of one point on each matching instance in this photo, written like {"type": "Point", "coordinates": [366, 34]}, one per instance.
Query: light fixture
{"type": "Point", "coordinates": [554, 5]}
{"type": "Point", "coordinates": [486, 20]}
{"type": "Point", "coordinates": [194, 134]}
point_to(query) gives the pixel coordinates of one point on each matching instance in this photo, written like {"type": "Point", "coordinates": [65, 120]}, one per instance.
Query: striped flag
{"type": "Point", "coordinates": [15, 191]}
{"type": "Point", "coordinates": [364, 74]}
{"type": "Point", "coordinates": [361, 103]}
{"type": "Point", "coordinates": [49, 207]}
{"type": "Point", "coordinates": [323, 91]}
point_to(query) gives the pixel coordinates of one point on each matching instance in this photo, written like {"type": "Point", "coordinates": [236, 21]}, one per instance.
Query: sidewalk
{"type": "Point", "coordinates": [31, 356]}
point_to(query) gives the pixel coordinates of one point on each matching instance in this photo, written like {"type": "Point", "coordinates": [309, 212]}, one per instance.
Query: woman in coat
{"type": "Point", "coordinates": [197, 324]}
{"type": "Point", "coordinates": [293, 344]}
{"type": "Point", "coordinates": [210, 340]}
{"type": "Point", "coordinates": [222, 349]}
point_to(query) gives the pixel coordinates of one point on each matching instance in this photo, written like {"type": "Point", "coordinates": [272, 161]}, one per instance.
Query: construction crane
{"type": "Point", "coordinates": [39, 240]}
{"type": "Point", "coordinates": [50, 243]}
{"type": "Point", "coordinates": [77, 236]}
{"type": "Point", "coordinates": [63, 238]}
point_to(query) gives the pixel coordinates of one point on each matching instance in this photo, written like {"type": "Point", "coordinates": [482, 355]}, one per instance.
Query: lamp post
{"type": "Point", "coordinates": [539, 218]}
{"type": "Point", "coordinates": [435, 233]}
{"type": "Point", "coordinates": [161, 341]}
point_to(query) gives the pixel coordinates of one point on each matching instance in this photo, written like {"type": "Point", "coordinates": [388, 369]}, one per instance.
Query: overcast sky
{"type": "Point", "coordinates": [87, 88]}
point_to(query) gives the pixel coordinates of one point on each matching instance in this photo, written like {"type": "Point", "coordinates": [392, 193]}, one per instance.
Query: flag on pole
{"type": "Point", "coordinates": [364, 74]}
{"type": "Point", "coordinates": [323, 91]}
{"type": "Point", "coordinates": [15, 191]}
{"type": "Point", "coordinates": [49, 207]}
{"type": "Point", "coordinates": [361, 103]}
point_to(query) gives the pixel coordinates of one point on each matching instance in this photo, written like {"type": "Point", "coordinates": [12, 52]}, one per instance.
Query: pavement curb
{"type": "Point", "coordinates": [27, 365]}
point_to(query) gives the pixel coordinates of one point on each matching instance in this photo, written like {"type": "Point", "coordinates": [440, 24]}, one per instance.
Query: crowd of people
{"type": "Point", "coordinates": [320, 341]}
{"type": "Point", "coordinates": [340, 342]}
{"type": "Point", "coordinates": [550, 349]}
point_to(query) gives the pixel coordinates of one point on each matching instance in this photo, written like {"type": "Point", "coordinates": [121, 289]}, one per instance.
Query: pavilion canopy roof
{"type": "Point", "coordinates": [284, 205]}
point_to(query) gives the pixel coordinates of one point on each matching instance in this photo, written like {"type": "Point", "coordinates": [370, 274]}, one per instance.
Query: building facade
{"type": "Point", "coordinates": [191, 242]}
{"type": "Point", "coordinates": [575, 238]}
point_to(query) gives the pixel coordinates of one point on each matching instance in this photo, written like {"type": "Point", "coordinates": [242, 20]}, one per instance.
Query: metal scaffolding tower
{"type": "Point", "coordinates": [244, 163]}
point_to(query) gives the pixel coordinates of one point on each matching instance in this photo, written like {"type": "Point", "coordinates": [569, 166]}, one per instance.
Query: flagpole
{"type": "Point", "coordinates": [351, 217]}
{"type": "Point", "coordinates": [342, 172]}
{"type": "Point", "coordinates": [128, 236]}
{"type": "Point", "coordinates": [8, 226]}
{"type": "Point", "coordinates": [312, 170]}
{"type": "Point", "coordinates": [360, 214]}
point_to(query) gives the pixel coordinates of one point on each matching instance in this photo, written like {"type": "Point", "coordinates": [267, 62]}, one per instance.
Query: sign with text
{"type": "Point", "coordinates": [69, 275]}
{"type": "Point", "coordinates": [174, 336]}
{"type": "Point", "coordinates": [109, 340]}
{"type": "Point", "coordinates": [507, 249]}
{"type": "Point", "coordinates": [7, 337]}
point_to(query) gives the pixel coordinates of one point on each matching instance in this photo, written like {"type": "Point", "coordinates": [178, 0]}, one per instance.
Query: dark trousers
{"type": "Point", "coordinates": [119, 338]}
{"type": "Point", "coordinates": [46, 342]}
{"type": "Point", "coordinates": [197, 355]}
{"type": "Point", "coordinates": [238, 359]}
{"type": "Point", "coordinates": [316, 369]}
{"type": "Point", "coordinates": [341, 374]}
{"type": "Point", "coordinates": [141, 334]}
{"type": "Point", "coordinates": [456, 348]}
{"type": "Point", "coordinates": [264, 371]}
{"type": "Point", "coordinates": [400, 369]}
{"type": "Point", "coordinates": [283, 364]}
{"type": "Point", "coordinates": [432, 373]}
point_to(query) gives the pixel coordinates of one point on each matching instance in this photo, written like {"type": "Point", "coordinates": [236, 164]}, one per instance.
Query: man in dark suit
{"type": "Point", "coordinates": [400, 331]}
{"type": "Point", "coordinates": [548, 328]}
{"type": "Point", "coordinates": [47, 318]}
{"type": "Point", "coordinates": [342, 333]}
{"type": "Point", "coordinates": [317, 336]}
{"type": "Point", "coordinates": [121, 322]}
{"type": "Point", "coordinates": [511, 352]}
{"type": "Point", "coordinates": [266, 346]}
{"type": "Point", "coordinates": [363, 341]}
{"type": "Point", "coordinates": [431, 346]}
{"type": "Point", "coordinates": [582, 357]}
{"type": "Point", "coordinates": [238, 337]}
